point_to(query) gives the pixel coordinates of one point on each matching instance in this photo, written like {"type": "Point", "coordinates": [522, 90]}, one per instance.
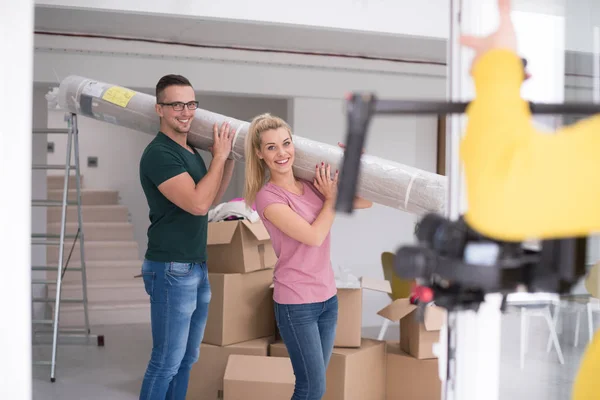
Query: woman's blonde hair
{"type": "Point", "coordinates": [256, 171]}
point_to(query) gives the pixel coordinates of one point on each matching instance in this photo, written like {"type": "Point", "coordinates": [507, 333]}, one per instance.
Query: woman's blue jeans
{"type": "Point", "coordinates": [179, 298]}
{"type": "Point", "coordinates": [308, 331]}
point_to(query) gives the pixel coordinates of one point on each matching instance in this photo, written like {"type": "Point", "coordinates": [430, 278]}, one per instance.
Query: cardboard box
{"type": "Point", "coordinates": [410, 378]}
{"type": "Point", "coordinates": [239, 246]}
{"type": "Point", "coordinates": [241, 308]}
{"type": "Point", "coordinates": [206, 377]}
{"type": "Point", "coordinates": [416, 338]}
{"type": "Point", "coordinates": [353, 374]}
{"type": "Point", "coordinates": [258, 377]}
{"type": "Point", "coordinates": [349, 328]}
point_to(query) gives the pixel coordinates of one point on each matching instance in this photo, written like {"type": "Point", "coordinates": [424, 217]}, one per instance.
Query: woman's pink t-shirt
{"type": "Point", "coordinates": [303, 273]}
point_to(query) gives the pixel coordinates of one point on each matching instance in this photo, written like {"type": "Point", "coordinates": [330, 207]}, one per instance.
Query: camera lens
{"type": "Point", "coordinates": [442, 235]}
{"type": "Point", "coordinates": [413, 262]}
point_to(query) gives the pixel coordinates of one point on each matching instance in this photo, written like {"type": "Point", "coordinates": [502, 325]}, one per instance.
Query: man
{"type": "Point", "coordinates": [179, 190]}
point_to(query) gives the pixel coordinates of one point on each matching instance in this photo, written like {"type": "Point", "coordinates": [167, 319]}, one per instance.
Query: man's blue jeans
{"type": "Point", "coordinates": [308, 331]}
{"type": "Point", "coordinates": [179, 298]}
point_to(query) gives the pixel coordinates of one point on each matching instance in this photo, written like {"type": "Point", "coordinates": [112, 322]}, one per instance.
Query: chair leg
{"type": "Point", "coordinates": [577, 326]}
{"type": "Point", "coordinates": [383, 330]}
{"type": "Point", "coordinates": [523, 336]}
{"type": "Point", "coordinates": [557, 326]}
{"type": "Point", "coordinates": [557, 319]}
{"type": "Point", "coordinates": [553, 335]}
{"type": "Point", "coordinates": [590, 321]}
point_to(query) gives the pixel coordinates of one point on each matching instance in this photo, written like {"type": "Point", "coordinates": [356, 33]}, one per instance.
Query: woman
{"type": "Point", "coordinates": [298, 215]}
{"type": "Point", "coordinates": [512, 170]}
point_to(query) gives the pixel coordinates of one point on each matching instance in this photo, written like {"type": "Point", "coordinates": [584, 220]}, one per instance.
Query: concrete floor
{"type": "Point", "coordinates": [115, 371]}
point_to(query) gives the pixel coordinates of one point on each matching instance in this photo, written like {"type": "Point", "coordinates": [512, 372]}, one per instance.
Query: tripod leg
{"type": "Point", "coordinates": [523, 336]}
{"type": "Point", "coordinates": [476, 348]}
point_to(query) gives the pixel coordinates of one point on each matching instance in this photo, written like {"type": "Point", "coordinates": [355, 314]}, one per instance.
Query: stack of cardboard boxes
{"type": "Point", "coordinates": [412, 366]}
{"type": "Point", "coordinates": [240, 317]}
{"type": "Point", "coordinates": [369, 369]}
{"type": "Point", "coordinates": [357, 370]}
{"type": "Point", "coordinates": [242, 356]}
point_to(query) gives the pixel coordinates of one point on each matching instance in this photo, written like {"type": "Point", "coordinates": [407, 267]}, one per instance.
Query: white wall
{"type": "Point", "coordinates": [16, 40]}
{"type": "Point", "coordinates": [580, 21]}
{"type": "Point", "coordinates": [408, 140]}
{"type": "Point", "coordinates": [425, 17]}
{"type": "Point", "coordinates": [359, 239]}
{"type": "Point", "coordinates": [119, 149]}
{"type": "Point", "coordinates": [228, 71]}
{"type": "Point", "coordinates": [580, 89]}
{"type": "Point", "coordinates": [581, 18]}
{"type": "Point", "coordinates": [316, 84]}
{"type": "Point", "coordinates": [38, 191]}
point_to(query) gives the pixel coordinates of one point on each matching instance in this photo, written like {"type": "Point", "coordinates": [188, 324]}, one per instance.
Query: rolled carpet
{"type": "Point", "coordinates": [381, 181]}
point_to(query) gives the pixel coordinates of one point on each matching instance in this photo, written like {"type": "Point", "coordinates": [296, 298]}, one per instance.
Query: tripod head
{"type": "Point", "coordinates": [460, 266]}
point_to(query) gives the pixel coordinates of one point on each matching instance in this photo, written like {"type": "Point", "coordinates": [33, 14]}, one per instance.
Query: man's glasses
{"type": "Point", "coordinates": [178, 106]}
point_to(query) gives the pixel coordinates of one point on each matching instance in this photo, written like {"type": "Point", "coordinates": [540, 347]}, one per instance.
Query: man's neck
{"type": "Point", "coordinates": [179, 138]}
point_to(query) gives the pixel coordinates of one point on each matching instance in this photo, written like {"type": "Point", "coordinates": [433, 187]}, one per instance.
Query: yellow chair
{"type": "Point", "coordinates": [592, 282]}
{"type": "Point", "coordinates": [400, 288]}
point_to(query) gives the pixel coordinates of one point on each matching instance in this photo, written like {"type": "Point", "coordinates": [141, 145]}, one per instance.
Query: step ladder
{"type": "Point", "coordinates": [60, 239]}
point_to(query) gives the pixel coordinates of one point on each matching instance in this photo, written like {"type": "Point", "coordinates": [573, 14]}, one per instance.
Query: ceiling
{"type": "Point", "coordinates": [239, 34]}
{"type": "Point", "coordinates": [199, 31]}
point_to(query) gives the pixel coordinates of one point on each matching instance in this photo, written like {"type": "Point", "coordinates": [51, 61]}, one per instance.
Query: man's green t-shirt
{"type": "Point", "coordinates": [174, 234]}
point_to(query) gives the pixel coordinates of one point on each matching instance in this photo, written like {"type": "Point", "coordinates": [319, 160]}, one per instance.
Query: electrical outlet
{"type": "Point", "coordinates": [92, 162]}
{"type": "Point", "coordinates": [50, 147]}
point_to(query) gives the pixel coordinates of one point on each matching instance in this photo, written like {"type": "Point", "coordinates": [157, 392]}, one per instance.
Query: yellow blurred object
{"type": "Point", "coordinates": [400, 287]}
{"type": "Point", "coordinates": [522, 183]}
{"type": "Point", "coordinates": [586, 385]}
